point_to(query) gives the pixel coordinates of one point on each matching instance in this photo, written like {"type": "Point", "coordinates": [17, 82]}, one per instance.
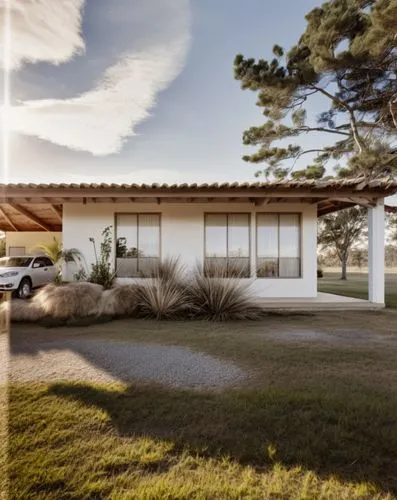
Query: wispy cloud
{"type": "Point", "coordinates": [43, 30]}
{"type": "Point", "coordinates": [99, 120]}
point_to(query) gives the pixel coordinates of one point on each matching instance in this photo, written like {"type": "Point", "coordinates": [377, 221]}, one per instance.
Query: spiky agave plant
{"type": "Point", "coordinates": [218, 298]}
{"type": "Point", "coordinates": [160, 299]}
{"type": "Point", "coordinates": [169, 269]}
{"type": "Point", "coordinates": [164, 295]}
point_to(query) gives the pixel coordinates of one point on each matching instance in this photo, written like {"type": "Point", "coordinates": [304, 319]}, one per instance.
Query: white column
{"type": "Point", "coordinates": [376, 253]}
{"type": "Point", "coordinates": [253, 244]}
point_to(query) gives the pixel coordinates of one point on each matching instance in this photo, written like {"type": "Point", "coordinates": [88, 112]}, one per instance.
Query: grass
{"type": "Point", "coordinates": [356, 285]}
{"type": "Point", "coordinates": [315, 420]}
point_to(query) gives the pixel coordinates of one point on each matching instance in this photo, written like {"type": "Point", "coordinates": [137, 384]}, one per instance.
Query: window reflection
{"type": "Point", "coordinates": [227, 245]}
{"type": "Point", "coordinates": [137, 244]}
{"type": "Point", "coordinates": [278, 246]}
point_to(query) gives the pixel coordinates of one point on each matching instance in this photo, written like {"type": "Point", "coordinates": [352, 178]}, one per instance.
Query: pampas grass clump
{"type": "Point", "coordinates": [69, 301]}
{"type": "Point", "coordinates": [22, 311]}
{"type": "Point", "coordinates": [119, 301]}
{"type": "Point", "coordinates": [164, 295]}
{"type": "Point", "coordinates": [220, 299]}
{"type": "Point", "coordinates": [162, 299]}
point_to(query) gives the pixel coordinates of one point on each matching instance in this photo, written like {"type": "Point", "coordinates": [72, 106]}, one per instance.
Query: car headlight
{"type": "Point", "coordinates": [10, 274]}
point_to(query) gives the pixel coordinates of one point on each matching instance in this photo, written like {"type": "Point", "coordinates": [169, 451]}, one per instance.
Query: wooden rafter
{"type": "Point", "coordinates": [7, 218]}
{"type": "Point", "coordinates": [44, 225]}
{"type": "Point", "coordinates": [363, 202]}
{"type": "Point", "coordinates": [57, 211]}
{"type": "Point", "coordinates": [259, 202]}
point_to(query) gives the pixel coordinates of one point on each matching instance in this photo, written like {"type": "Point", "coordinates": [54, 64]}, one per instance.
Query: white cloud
{"type": "Point", "coordinates": [99, 120]}
{"type": "Point", "coordinates": [43, 30]}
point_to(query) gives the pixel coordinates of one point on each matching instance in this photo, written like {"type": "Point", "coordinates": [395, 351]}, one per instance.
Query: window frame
{"type": "Point", "coordinates": [227, 239]}
{"type": "Point", "coordinates": [278, 277]}
{"type": "Point", "coordinates": [115, 241]}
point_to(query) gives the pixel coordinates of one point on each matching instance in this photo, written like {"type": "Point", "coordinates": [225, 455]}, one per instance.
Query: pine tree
{"type": "Point", "coordinates": [348, 55]}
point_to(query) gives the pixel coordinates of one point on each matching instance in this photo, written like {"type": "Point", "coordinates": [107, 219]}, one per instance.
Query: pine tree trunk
{"type": "Point", "coordinates": [344, 268]}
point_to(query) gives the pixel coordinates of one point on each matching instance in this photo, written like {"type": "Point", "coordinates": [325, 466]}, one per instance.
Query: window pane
{"type": "Point", "coordinates": [267, 267]}
{"type": "Point", "coordinates": [126, 267]}
{"type": "Point", "coordinates": [238, 234]}
{"type": "Point", "coordinates": [267, 235]}
{"type": "Point", "coordinates": [216, 235]}
{"type": "Point", "coordinates": [126, 235]}
{"type": "Point", "coordinates": [239, 267]}
{"type": "Point", "coordinates": [148, 266]}
{"type": "Point", "coordinates": [149, 235]}
{"type": "Point", "coordinates": [289, 235]}
{"type": "Point", "coordinates": [289, 245]}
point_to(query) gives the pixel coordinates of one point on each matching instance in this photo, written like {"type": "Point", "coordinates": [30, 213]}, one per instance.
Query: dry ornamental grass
{"type": "Point", "coordinates": [71, 300]}
{"type": "Point", "coordinates": [166, 293]}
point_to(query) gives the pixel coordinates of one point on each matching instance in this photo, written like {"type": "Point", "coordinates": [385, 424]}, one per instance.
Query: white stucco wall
{"type": "Point", "coordinates": [30, 239]}
{"type": "Point", "coordinates": [182, 234]}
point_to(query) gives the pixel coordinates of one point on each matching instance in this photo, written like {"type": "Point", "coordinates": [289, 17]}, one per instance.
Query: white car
{"type": "Point", "coordinates": [21, 274]}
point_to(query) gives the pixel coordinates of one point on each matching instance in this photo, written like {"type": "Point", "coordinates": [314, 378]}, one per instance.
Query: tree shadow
{"type": "Point", "coordinates": [351, 438]}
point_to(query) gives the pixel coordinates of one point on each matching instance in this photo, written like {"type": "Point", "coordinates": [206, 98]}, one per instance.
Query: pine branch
{"type": "Point", "coordinates": [322, 129]}
{"type": "Point", "coordinates": [353, 123]}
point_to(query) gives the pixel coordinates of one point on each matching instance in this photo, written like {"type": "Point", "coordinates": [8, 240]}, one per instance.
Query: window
{"type": "Point", "coordinates": [38, 262]}
{"type": "Point", "coordinates": [16, 251]}
{"type": "Point", "coordinates": [42, 262]}
{"type": "Point", "coordinates": [278, 245]}
{"type": "Point", "coordinates": [137, 244]}
{"type": "Point", "coordinates": [227, 245]}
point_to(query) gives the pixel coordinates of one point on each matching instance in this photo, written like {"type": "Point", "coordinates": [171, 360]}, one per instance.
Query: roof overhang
{"type": "Point", "coordinates": [38, 207]}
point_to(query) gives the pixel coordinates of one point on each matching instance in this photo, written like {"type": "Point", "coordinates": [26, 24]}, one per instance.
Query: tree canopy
{"type": "Point", "coordinates": [340, 231]}
{"type": "Point", "coordinates": [348, 55]}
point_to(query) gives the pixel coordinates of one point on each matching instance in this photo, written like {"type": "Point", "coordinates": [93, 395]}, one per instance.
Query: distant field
{"type": "Point", "coordinates": [363, 270]}
{"type": "Point", "coordinates": [356, 285]}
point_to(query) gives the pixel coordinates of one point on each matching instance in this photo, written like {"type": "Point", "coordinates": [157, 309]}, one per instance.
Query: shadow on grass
{"type": "Point", "coordinates": [350, 436]}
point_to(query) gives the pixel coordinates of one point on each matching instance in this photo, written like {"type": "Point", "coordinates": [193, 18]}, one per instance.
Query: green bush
{"type": "Point", "coordinates": [102, 272]}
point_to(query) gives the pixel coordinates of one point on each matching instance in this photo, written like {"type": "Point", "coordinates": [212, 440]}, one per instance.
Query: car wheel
{"type": "Point", "coordinates": [24, 289]}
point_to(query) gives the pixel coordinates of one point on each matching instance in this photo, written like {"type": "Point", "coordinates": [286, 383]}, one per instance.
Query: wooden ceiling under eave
{"type": "Point", "coordinates": [30, 217]}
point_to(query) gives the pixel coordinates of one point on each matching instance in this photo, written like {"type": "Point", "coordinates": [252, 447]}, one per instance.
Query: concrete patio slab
{"type": "Point", "coordinates": [323, 302]}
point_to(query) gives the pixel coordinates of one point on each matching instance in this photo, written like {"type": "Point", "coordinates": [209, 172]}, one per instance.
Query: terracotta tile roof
{"type": "Point", "coordinates": [357, 183]}
{"type": "Point", "coordinates": [38, 207]}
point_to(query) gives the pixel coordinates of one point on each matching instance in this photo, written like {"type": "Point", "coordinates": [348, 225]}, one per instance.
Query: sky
{"type": "Point", "coordinates": [137, 91]}
{"type": "Point", "coordinates": [133, 91]}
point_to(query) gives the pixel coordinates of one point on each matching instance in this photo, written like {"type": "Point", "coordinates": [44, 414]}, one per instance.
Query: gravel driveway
{"type": "Point", "coordinates": [105, 360]}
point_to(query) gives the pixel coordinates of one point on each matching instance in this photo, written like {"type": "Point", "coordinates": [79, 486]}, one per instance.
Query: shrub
{"type": "Point", "coordinates": [80, 275]}
{"type": "Point", "coordinates": [163, 299]}
{"type": "Point", "coordinates": [22, 310]}
{"type": "Point", "coordinates": [119, 301]}
{"type": "Point", "coordinates": [320, 273]}
{"type": "Point", "coordinates": [101, 272]}
{"type": "Point", "coordinates": [67, 301]}
{"type": "Point", "coordinates": [220, 299]}
{"type": "Point", "coordinates": [164, 295]}
{"type": "Point", "coordinates": [169, 269]}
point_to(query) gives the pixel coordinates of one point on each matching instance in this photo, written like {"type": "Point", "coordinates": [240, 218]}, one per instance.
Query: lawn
{"type": "Point", "coordinates": [314, 419]}
{"type": "Point", "coordinates": [356, 285]}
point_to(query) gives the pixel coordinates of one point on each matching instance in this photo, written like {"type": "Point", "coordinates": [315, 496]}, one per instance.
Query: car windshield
{"type": "Point", "coordinates": [15, 261]}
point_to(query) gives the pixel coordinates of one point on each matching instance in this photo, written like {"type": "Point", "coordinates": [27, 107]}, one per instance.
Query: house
{"type": "Point", "coordinates": [267, 231]}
